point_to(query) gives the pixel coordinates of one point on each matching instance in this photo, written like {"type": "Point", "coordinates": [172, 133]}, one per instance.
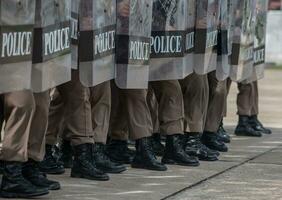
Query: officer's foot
{"type": "Point", "coordinates": [14, 185]}
{"type": "Point", "coordinates": [158, 147]}
{"type": "Point", "coordinates": [103, 162]}
{"type": "Point", "coordinates": [118, 151]}
{"type": "Point", "coordinates": [175, 153]}
{"type": "Point", "coordinates": [257, 125]}
{"type": "Point", "coordinates": [32, 173]}
{"type": "Point", "coordinates": [211, 141]}
{"type": "Point", "coordinates": [193, 146]}
{"type": "Point", "coordinates": [244, 128]}
{"type": "Point", "coordinates": [223, 135]}
{"type": "Point", "coordinates": [67, 154]}
{"type": "Point", "coordinates": [50, 164]}
{"type": "Point", "coordinates": [83, 164]}
{"type": "Point", "coordinates": [145, 157]}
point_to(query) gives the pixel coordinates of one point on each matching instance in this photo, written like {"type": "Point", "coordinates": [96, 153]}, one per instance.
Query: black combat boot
{"type": "Point", "coordinates": [194, 147]}
{"type": "Point", "coordinates": [67, 154]}
{"type": "Point", "coordinates": [175, 153]}
{"type": "Point", "coordinates": [103, 162]}
{"type": "Point", "coordinates": [257, 125]}
{"type": "Point", "coordinates": [244, 128]}
{"type": "Point", "coordinates": [222, 134]}
{"type": "Point", "coordinates": [211, 141]}
{"type": "Point", "coordinates": [145, 157]}
{"type": "Point", "coordinates": [118, 151]}
{"type": "Point", "coordinates": [83, 164]}
{"type": "Point", "coordinates": [32, 173]}
{"type": "Point", "coordinates": [14, 185]}
{"type": "Point", "coordinates": [50, 164]}
{"type": "Point", "coordinates": [157, 145]}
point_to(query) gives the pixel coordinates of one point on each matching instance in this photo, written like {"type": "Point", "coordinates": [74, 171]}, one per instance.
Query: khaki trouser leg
{"type": "Point", "coordinates": [255, 107]}
{"type": "Point", "coordinates": [19, 108]}
{"type": "Point", "coordinates": [217, 96]}
{"type": "Point", "coordinates": [137, 114]}
{"type": "Point", "coordinates": [77, 110]}
{"type": "Point", "coordinates": [119, 125]}
{"type": "Point", "coordinates": [171, 106]}
{"type": "Point", "coordinates": [196, 95]}
{"type": "Point", "coordinates": [101, 110]}
{"type": "Point", "coordinates": [36, 143]}
{"type": "Point", "coordinates": [154, 109]}
{"type": "Point", "coordinates": [228, 86]}
{"type": "Point", "coordinates": [55, 118]}
{"type": "Point", "coordinates": [247, 98]}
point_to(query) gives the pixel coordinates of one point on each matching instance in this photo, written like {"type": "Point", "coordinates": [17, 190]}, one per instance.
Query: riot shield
{"type": "Point", "coordinates": [51, 47]}
{"type": "Point", "coordinates": [243, 40]}
{"type": "Point", "coordinates": [207, 19]}
{"type": "Point", "coordinates": [168, 40]}
{"type": "Point", "coordinates": [74, 33]}
{"type": "Point", "coordinates": [134, 20]}
{"type": "Point", "coordinates": [259, 41]}
{"type": "Point", "coordinates": [190, 37]}
{"type": "Point", "coordinates": [224, 44]}
{"type": "Point", "coordinates": [97, 23]}
{"type": "Point", "coordinates": [16, 29]}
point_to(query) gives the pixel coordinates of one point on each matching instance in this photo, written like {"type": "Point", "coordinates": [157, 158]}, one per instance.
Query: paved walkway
{"type": "Point", "coordinates": [252, 169]}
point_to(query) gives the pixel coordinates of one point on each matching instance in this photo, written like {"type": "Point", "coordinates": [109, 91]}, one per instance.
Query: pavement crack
{"type": "Point", "coordinates": [220, 173]}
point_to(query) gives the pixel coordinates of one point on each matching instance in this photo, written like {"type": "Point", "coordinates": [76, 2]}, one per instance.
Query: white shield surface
{"type": "Point", "coordinates": [134, 22]}
{"type": "Point", "coordinates": [224, 46]}
{"type": "Point", "coordinates": [243, 40]}
{"type": "Point", "coordinates": [16, 29]}
{"type": "Point", "coordinates": [207, 21]}
{"type": "Point", "coordinates": [51, 46]}
{"type": "Point", "coordinates": [168, 40]}
{"type": "Point", "coordinates": [97, 26]}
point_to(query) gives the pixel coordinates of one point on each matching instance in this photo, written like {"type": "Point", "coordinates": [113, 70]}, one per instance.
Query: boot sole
{"type": "Point", "coordinates": [172, 162]}
{"type": "Point", "coordinates": [15, 195]}
{"type": "Point", "coordinates": [113, 171]}
{"type": "Point", "coordinates": [78, 175]}
{"type": "Point", "coordinates": [146, 167]}
{"type": "Point", "coordinates": [246, 135]}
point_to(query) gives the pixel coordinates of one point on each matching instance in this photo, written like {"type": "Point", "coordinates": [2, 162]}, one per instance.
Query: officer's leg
{"type": "Point", "coordinates": [36, 143]}
{"type": "Point", "coordinates": [195, 94]}
{"type": "Point", "coordinates": [245, 101]}
{"type": "Point", "coordinates": [118, 145]}
{"type": "Point", "coordinates": [78, 122]}
{"type": "Point", "coordinates": [217, 92]}
{"type": "Point", "coordinates": [140, 128]}
{"type": "Point", "coordinates": [19, 108]}
{"type": "Point", "coordinates": [158, 147]}
{"type": "Point", "coordinates": [171, 116]}
{"type": "Point", "coordinates": [254, 121]}
{"type": "Point", "coordinates": [101, 110]}
{"type": "Point", "coordinates": [50, 163]}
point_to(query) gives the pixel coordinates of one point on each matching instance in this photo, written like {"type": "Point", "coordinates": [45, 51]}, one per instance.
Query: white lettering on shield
{"type": "Point", "coordinates": [211, 39]}
{"type": "Point", "coordinates": [166, 44]}
{"type": "Point", "coordinates": [259, 56]}
{"type": "Point", "coordinates": [190, 40]}
{"type": "Point", "coordinates": [249, 53]}
{"type": "Point", "coordinates": [16, 44]}
{"type": "Point", "coordinates": [56, 41]}
{"type": "Point", "coordinates": [104, 42]}
{"type": "Point", "coordinates": [139, 50]}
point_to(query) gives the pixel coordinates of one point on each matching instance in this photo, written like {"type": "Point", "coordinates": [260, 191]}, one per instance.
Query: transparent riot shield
{"type": "Point", "coordinates": [207, 19]}
{"type": "Point", "coordinates": [51, 46]}
{"type": "Point", "coordinates": [259, 41]}
{"type": "Point", "coordinates": [16, 29]}
{"type": "Point", "coordinates": [168, 40]}
{"type": "Point", "coordinates": [134, 22]}
{"type": "Point", "coordinates": [97, 24]}
{"type": "Point", "coordinates": [74, 33]}
{"type": "Point", "coordinates": [243, 40]}
{"type": "Point", "coordinates": [190, 37]}
{"type": "Point", "coordinates": [224, 45]}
